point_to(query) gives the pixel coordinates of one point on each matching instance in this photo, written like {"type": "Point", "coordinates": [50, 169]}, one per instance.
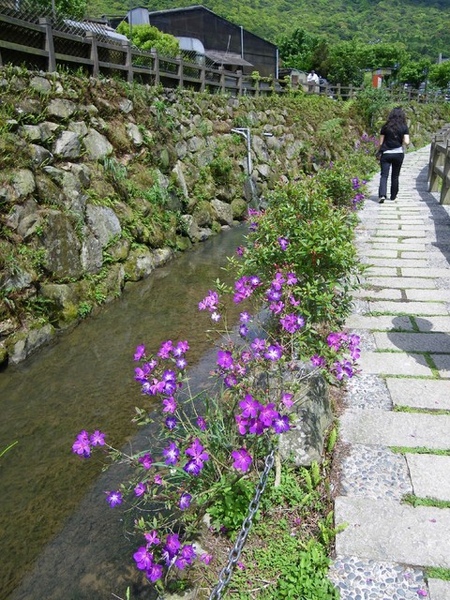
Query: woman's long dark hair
{"type": "Point", "coordinates": [396, 120]}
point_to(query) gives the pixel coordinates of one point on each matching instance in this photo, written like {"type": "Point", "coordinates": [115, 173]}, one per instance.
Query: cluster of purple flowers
{"type": "Point", "coordinates": [167, 384]}
{"type": "Point", "coordinates": [340, 342]}
{"type": "Point", "coordinates": [84, 442]}
{"type": "Point", "coordinates": [171, 553]}
{"type": "Point", "coordinates": [257, 418]}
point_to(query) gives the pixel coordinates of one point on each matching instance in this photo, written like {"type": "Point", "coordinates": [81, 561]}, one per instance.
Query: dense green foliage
{"type": "Point", "coordinates": [421, 25]}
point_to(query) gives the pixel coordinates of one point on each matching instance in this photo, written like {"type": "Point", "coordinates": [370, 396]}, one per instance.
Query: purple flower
{"type": "Point", "coordinates": [273, 353]}
{"type": "Point", "coordinates": [143, 558]}
{"type": "Point", "coordinates": [292, 322]}
{"type": "Point", "coordinates": [242, 424]}
{"type": "Point", "coordinates": [181, 348]}
{"type": "Point", "coordinates": [114, 498]}
{"type": "Point", "coordinates": [206, 558]}
{"type": "Point", "coordinates": [283, 242]}
{"type": "Point", "coordinates": [210, 302]}
{"type": "Point", "coordinates": [291, 279]}
{"type": "Point", "coordinates": [158, 479]}
{"type": "Point", "coordinates": [250, 406]}
{"type": "Point", "coordinates": [140, 352]}
{"type": "Point", "coordinates": [243, 330]}
{"type": "Point", "coordinates": [171, 422]}
{"type": "Point", "coordinates": [171, 454]}
{"type": "Point", "coordinates": [146, 461]}
{"type": "Point", "coordinates": [81, 445]}
{"type": "Point", "coordinates": [240, 250]}
{"type": "Point", "coordinates": [197, 451]}
{"type": "Point", "coordinates": [242, 459]}
{"type": "Point", "coordinates": [185, 501]}
{"type": "Point", "coordinates": [276, 307]}
{"type": "Point", "coordinates": [258, 346]}
{"type": "Point", "coordinates": [201, 423]}
{"type": "Point", "coordinates": [245, 318]}
{"type": "Point", "coordinates": [281, 424]}
{"type": "Point", "coordinates": [318, 361]}
{"type": "Point", "coordinates": [165, 349]}
{"type": "Point", "coordinates": [181, 363]}
{"type": "Point", "coordinates": [225, 359]}
{"type": "Point", "coordinates": [152, 538]}
{"type": "Point", "coordinates": [154, 572]}
{"type": "Point", "coordinates": [268, 414]}
{"type": "Point", "coordinates": [193, 467]}
{"type": "Point", "coordinates": [286, 399]}
{"type": "Point", "coordinates": [170, 405]}
{"type": "Point", "coordinates": [172, 544]}
{"type": "Point", "coordinates": [215, 316]}
{"type": "Point", "coordinates": [186, 557]}
{"type": "Point", "coordinates": [334, 341]}
{"type": "Point", "coordinates": [140, 489]}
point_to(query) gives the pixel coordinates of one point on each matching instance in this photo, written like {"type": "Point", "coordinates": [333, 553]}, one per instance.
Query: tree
{"type": "Point", "coordinates": [344, 64]}
{"type": "Point", "coordinates": [440, 75]}
{"type": "Point", "coordinates": [147, 37]}
{"type": "Point", "coordinates": [414, 72]}
{"type": "Point", "coordinates": [297, 50]}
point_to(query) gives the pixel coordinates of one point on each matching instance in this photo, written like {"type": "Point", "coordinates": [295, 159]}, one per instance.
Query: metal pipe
{"type": "Point", "coordinates": [245, 133]}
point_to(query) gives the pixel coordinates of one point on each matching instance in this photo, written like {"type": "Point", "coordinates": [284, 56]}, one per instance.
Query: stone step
{"type": "Point", "coordinates": [385, 530]}
{"type": "Point", "coordinates": [432, 394]}
{"type": "Point", "coordinates": [413, 342]}
{"type": "Point", "coordinates": [394, 363]}
{"type": "Point", "coordinates": [439, 589]}
{"type": "Point", "coordinates": [408, 308]}
{"type": "Point", "coordinates": [430, 475]}
{"type": "Point", "coordinates": [386, 428]}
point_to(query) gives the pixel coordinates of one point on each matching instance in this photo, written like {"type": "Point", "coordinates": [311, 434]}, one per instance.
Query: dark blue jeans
{"type": "Point", "coordinates": [387, 160]}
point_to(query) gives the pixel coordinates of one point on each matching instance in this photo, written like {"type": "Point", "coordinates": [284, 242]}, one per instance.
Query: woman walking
{"type": "Point", "coordinates": [393, 136]}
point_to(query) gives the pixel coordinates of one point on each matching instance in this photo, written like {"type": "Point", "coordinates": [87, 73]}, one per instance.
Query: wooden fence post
{"type": "Point", "coordinates": [180, 71]}
{"type": "Point", "coordinates": [239, 82]}
{"type": "Point", "coordinates": [445, 191]}
{"type": "Point", "coordinates": [49, 46]}
{"type": "Point", "coordinates": [126, 46]}
{"type": "Point", "coordinates": [203, 77]}
{"type": "Point", "coordinates": [90, 35]}
{"type": "Point", "coordinates": [156, 66]}
{"type": "Point", "coordinates": [222, 79]}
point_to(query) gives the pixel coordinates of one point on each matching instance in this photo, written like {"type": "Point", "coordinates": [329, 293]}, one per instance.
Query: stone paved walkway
{"type": "Point", "coordinates": [400, 402]}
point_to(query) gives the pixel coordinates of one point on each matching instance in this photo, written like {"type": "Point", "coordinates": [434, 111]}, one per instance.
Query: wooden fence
{"type": "Point", "coordinates": [439, 165]}
{"type": "Point", "coordinates": [40, 46]}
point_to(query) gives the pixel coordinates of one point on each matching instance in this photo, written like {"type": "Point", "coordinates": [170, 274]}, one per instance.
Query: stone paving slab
{"type": "Point", "coordinates": [382, 253]}
{"type": "Point", "coordinates": [385, 530]}
{"type": "Point", "coordinates": [414, 254]}
{"type": "Point", "coordinates": [386, 294]}
{"type": "Point", "coordinates": [433, 324]}
{"type": "Point", "coordinates": [412, 342]}
{"type": "Point", "coordinates": [394, 363]}
{"type": "Point", "coordinates": [408, 308]}
{"type": "Point", "coordinates": [430, 475]}
{"type": "Point", "coordinates": [428, 295]}
{"type": "Point", "coordinates": [442, 362]}
{"type": "Point", "coordinates": [383, 322]}
{"type": "Point", "coordinates": [381, 271]}
{"type": "Point", "coordinates": [436, 273]}
{"type": "Point", "coordinates": [439, 589]}
{"type": "Point", "coordinates": [402, 282]}
{"type": "Point", "coordinates": [405, 244]}
{"type": "Point", "coordinates": [420, 393]}
{"type": "Point", "coordinates": [379, 427]}
{"type": "Point", "coordinates": [404, 239]}
{"type": "Point", "coordinates": [398, 262]}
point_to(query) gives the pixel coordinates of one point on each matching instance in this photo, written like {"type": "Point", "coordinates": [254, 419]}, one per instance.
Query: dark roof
{"type": "Point", "coordinates": [200, 7]}
{"type": "Point", "coordinates": [227, 58]}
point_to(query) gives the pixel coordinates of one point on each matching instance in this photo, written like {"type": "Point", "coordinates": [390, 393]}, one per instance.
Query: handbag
{"type": "Point", "coordinates": [379, 154]}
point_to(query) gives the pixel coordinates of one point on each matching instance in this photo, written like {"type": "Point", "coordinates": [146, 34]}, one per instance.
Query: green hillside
{"type": "Point", "coordinates": [422, 25]}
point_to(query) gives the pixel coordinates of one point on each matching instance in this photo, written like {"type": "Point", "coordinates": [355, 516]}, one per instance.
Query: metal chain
{"type": "Point", "coordinates": [235, 552]}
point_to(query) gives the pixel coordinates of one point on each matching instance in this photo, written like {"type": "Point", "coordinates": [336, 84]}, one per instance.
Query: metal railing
{"type": "Point", "coordinates": [439, 165]}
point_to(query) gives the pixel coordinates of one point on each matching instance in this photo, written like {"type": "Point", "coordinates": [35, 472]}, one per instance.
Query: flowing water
{"type": "Point", "coordinates": [60, 540]}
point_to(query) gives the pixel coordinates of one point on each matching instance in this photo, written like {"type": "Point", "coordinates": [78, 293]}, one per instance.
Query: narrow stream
{"type": "Point", "coordinates": [60, 540]}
